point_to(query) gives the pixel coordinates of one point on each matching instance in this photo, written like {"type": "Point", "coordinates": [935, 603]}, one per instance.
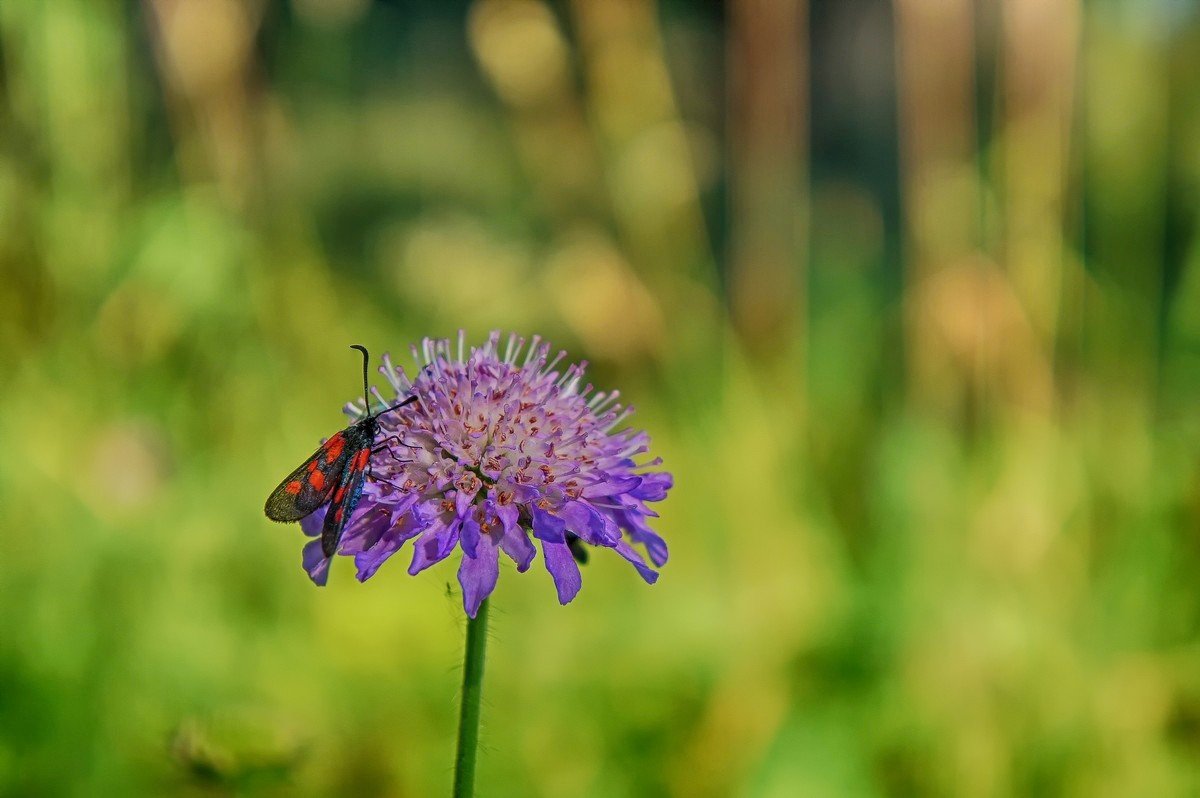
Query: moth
{"type": "Point", "coordinates": [333, 475]}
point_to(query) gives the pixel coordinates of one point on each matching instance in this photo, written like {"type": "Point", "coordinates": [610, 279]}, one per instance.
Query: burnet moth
{"type": "Point", "coordinates": [333, 475]}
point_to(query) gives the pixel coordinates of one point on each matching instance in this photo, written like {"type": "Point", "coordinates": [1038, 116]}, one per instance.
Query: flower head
{"type": "Point", "coordinates": [497, 448]}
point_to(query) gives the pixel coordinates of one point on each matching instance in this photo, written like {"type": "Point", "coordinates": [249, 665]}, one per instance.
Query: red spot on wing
{"type": "Point", "coordinates": [337, 515]}
{"type": "Point", "coordinates": [317, 479]}
{"type": "Point", "coordinates": [360, 459]}
{"type": "Point", "coordinates": [333, 447]}
{"type": "Point", "coordinates": [341, 491]}
{"type": "Point", "coordinates": [292, 487]}
{"type": "Point", "coordinates": [312, 465]}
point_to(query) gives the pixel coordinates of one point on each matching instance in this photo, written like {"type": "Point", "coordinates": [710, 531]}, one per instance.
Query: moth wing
{"type": "Point", "coordinates": [345, 499]}
{"type": "Point", "coordinates": [309, 486]}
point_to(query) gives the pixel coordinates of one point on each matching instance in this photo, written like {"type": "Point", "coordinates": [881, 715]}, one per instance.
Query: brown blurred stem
{"type": "Point", "coordinates": [767, 97]}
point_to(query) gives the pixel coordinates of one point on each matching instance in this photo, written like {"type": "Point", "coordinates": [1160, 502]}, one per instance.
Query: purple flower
{"type": "Point", "coordinates": [500, 448]}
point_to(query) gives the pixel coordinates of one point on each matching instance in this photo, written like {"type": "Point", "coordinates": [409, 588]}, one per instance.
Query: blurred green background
{"type": "Point", "coordinates": [907, 293]}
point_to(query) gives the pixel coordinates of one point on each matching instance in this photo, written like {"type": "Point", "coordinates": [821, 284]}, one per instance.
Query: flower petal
{"type": "Point", "coordinates": [589, 524]}
{"type": "Point", "coordinates": [517, 545]}
{"type": "Point", "coordinates": [629, 553]}
{"type": "Point", "coordinates": [311, 524]}
{"type": "Point", "coordinates": [434, 546]}
{"type": "Point", "coordinates": [508, 514]}
{"type": "Point", "coordinates": [548, 527]}
{"type": "Point", "coordinates": [470, 535]}
{"type": "Point", "coordinates": [612, 487]}
{"type": "Point", "coordinates": [563, 570]}
{"type": "Point", "coordinates": [478, 574]}
{"type": "Point", "coordinates": [316, 563]}
{"type": "Point", "coordinates": [635, 524]}
{"type": "Point", "coordinates": [462, 502]}
{"type": "Point", "coordinates": [654, 487]}
{"type": "Point", "coordinates": [365, 529]}
{"type": "Point", "coordinates": [368, 562]}
{"type": "Point", "coordinates": [515, 540]}
{"type": "Point", "coordinates": [656, 547]}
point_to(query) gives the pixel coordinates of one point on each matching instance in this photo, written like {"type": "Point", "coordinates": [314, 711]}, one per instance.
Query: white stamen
{"type": "Point", "coordinates": [576, 371]}
{"type": "Point", "coordinates": [624, 414]}
{"type": "Point", "coordinates": [629, 451]}
{"type": "Point", "coordinates": [388, 369]}
{"type": "Point", "coordinates": [549, 366]}
{"type": "Point", "coordinates": [572, 441]}
{"type": "Point", "coordinates": [608, 400]}
{"type": "Point", "coordinates": [533, 345]}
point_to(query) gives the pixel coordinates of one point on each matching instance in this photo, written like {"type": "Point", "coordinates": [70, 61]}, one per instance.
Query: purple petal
{"type": "Point", "coordinates": [515, 541]}
{"type": "Point", "coordinates": [508, 515]}
{"type": "Point", "coordinates": [612, 487]}
{"type": "Point", "coordinates": [523, 494]}
{"type": "Point", "coordinates": [628, 552]}
{"type": "Point", "coordinates": [654, 487]}
{"type": "Point", "coordinates": [478, 574]}
{"type": "Point", "coordinates": [656, 547]}
{"type": "Point", "coordinates": [635, 524]}
{"type": "Point", "coordinates": [612, 532]}
{"type": "Point", "coordinates": [470, 535]}
{"type": "Point", "coordinates": [368, 562]}
{"type": "Point", "coordinates": [405, 504]}
{"type": "Point", "coordinates": [316, 563]}
{"type": "Point", "coordinates": [434, 546]}
{"type": "Point", "coordinates": [365, 529]}
{"type": "Point", "coordinates": [312, 523]}
{"type": "Point", "coordinates": [462, 502]}
{"type": "Point", "coordinates": [605, 531]}
{"type": "Point", "coordinates": [563, 570]}
{"type": "Point", "coordinates": [548, 527]}
{"type": "Point", "coordinates": [517, 545]}
{"type": "Point", "coordinates": [582, 519]}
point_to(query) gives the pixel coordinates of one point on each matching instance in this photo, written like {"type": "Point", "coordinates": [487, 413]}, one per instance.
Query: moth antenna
{"type": "Point", "coordinates": [397, 406]}
{"type": "Point", "coordinates": [366, 362]}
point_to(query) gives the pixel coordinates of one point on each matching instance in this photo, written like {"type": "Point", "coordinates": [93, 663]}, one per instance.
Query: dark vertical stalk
{"type": "Point", "coordinates": [472, 692]}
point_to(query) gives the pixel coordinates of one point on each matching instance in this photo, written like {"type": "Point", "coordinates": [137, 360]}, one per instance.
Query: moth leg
{"type": "Point", "coordinates": [382, 444]}
{"type": "Point", "coordinates": [392, 452]}
{"type": "Point", "coordinates": [371, 476]}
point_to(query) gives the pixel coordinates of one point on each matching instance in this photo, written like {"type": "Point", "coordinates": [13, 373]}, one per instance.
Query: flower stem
{"type": "Point", "coordinates": [472, 691]}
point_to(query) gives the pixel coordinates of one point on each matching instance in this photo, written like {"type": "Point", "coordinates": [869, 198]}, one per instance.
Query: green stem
{"type": "Point", "coordinates": [472, 691]}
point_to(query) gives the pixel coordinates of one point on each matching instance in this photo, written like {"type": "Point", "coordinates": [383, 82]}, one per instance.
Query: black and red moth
{"type": "Point", "coordinates": [333, 475]}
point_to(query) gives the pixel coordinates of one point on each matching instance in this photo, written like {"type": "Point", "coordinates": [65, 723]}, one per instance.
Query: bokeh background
{"type": "Point", "coordinates": [907, 293]}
